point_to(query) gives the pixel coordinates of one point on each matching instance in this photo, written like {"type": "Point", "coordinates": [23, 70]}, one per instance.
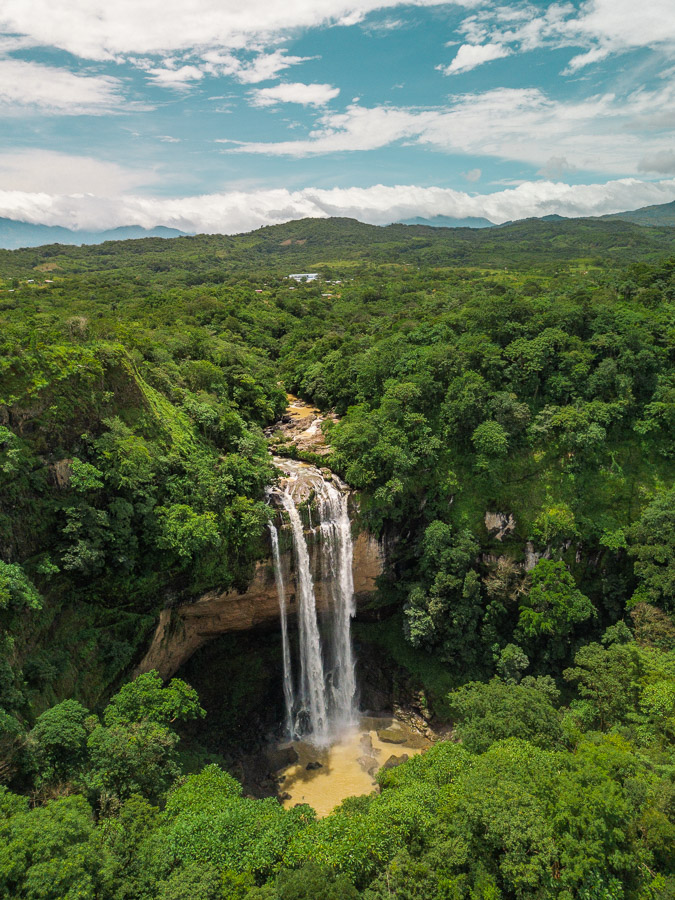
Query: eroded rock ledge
{"type": "Point", "coordinates": [184, 629]}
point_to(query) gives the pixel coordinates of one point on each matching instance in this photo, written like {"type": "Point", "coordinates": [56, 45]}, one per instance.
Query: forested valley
{"type": "Point", "coordinates": [503, 402]}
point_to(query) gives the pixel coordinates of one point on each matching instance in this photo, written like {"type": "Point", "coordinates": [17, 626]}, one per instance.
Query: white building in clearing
{"type": "Point", "coordinates": [305, 276]}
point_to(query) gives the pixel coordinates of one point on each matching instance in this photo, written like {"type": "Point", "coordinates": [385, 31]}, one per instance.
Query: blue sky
{"type": "Point", "coordinates": [215, 115]}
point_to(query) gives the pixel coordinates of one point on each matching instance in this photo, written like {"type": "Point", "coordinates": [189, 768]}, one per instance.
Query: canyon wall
{"type": "Point", "coordinates": [181, 630]}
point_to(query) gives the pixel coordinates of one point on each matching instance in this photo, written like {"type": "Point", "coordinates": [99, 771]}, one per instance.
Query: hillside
{"type": "Point", "coordinates": [308, 244]}
{"type": "Point", "coordinates": [662, 214]}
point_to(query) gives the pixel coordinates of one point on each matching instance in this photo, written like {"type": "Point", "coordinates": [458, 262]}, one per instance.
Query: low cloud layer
{"type": "Point", "coordinates": [237, 211]}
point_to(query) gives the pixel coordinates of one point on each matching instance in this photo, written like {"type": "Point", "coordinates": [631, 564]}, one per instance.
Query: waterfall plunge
{"type": "Point", "coordinates": [285, 644]}
{"type": "Point", "coordinates": [324, 703]}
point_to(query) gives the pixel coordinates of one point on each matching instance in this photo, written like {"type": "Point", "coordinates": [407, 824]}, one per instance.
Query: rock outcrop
{"type": "Point", "coordinates": [183, 629]}
{"type": "Point", "coordinates": [301, 426]}
{"type": "Point", "coordinates": [499, 525]}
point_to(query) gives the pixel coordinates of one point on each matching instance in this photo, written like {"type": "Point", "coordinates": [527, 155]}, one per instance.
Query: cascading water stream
{"type": "Point", "coordinates": [336, 540]}
{"type": "Point", "coordinates": [324, 704]}
{"type": "Point", "coordinates": [312, 681]}
{"type": "Point", "coordinates": [289, 699]}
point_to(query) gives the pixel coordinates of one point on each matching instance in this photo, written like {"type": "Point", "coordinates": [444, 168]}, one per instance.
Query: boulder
{"type": "Point", "coordinates": [281, 757]}
{"type": "Point", "coordinates": [369, 764]}
{"type": "Point", "coordinates": [394, 761]}
{"type": "Point", "coordinates": [392, 736]}
{"type": "Point", "coordinates": [314, 765]}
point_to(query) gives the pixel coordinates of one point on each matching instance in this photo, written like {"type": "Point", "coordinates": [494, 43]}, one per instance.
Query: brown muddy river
{"type": "Point", "coordinates": [348, 766]}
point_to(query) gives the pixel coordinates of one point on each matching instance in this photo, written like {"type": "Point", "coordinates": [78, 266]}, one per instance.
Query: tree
{"type": "Point", "coordinates": [512, 662]}
{"type": "Point", "coordinates": [491, 440]}
{"type": "Point", "coordinates": [312, 882]}
{"type": "Point", "coordinates": [48, 853]}
{"type": "Point", "coordinates": [445, 610]}
{"type": "Point", "coordinates": [652, 544]}
{"type": "Point", "coordinates": [16, 591]}
{"type": "Point", "coordinates": [58, 741]}
{"type": "Point", "coordinates": [485, 713]}
{"type": "Point", "coordinates": [608, 678]}
{"type": "Point", "coordinates": [131, 759]}
{"type": "Point", "coordinates": [552, 608]}
{"type": "Point", "coordinates": [146, 698]}
{"type": "Point", "coordinates": [186, 532]}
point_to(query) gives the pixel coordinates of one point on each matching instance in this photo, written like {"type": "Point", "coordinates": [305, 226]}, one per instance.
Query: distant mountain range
{"type": "Point", "coordinates": [14, 234]}
{"type": "Point", "coordinates": [449, 222]}
{"type": "Point", "coordinates": [658, 215]}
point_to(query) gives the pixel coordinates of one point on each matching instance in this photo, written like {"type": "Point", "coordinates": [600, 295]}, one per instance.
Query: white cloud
{"type": "Point", "coordinates": [100, 29]}
{"type": "Point", "coordinates": [600, 28]}
{"type": "Point", "coordinates": [31, 87]}
{"type": "Point", "coordinates": [599, 134]}
{"type": "Point", "coordinates": [556, 166]}
{"type": "Point", "coordinates": [263, 67]}
{"type": "Point", "coordinates": [471, 55]}
{"type": "Point", "coordinates": [242, 210]}
{"type": "Point", "coordinates": [621, 24]}
{"type": "Point", "coordinates": [295, 92]}
{"type": "Point", "coordinates": [662, 163]}
{"type": "Point", "coordinates": [266, 66]}
{"type": "Point", "coordinates": [178, 78]}
{"type": "Point", "coordinates": [472, 175]}
{"type": "Point", "coordinates": [39, 171]}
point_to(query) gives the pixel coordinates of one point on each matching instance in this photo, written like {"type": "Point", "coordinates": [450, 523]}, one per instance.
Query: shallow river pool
{"type": "Point", "coordinates": [348, 767]}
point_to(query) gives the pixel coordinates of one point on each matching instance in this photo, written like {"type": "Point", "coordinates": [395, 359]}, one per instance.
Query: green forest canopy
{"type": "Point", "coordinates": [522, 372]}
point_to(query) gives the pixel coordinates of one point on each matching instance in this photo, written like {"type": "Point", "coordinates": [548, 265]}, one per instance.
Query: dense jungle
{"type": "Point", "coordinates": [503, 403]}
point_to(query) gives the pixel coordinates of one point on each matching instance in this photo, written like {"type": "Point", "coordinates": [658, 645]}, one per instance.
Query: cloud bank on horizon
{"type": "Point", "coordinates": [219, 116]}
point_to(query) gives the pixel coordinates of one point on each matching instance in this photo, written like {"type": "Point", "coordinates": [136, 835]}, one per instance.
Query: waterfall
{"type": "Point", "coordinates": [324, 703]}
{"type": "Point", "coordinates": [312, 683]}
{"type": "Point", "coordinates": [337, 550]}
{"type": "Point", "coordinates": [289, 699]}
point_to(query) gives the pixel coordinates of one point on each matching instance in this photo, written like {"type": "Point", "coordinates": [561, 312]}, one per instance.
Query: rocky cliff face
{"type": "Point", "coordinates": [183, 629]}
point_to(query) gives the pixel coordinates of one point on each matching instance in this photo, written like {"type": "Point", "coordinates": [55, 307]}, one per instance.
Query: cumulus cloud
{"type": "Point", "coordinates": [179, 78]}
{"type": "Point", "coordinates": [235, 211]}
{"type": "Point", "coordinates": [295, 92]}
{"type": "Point", "coordinates": [31, 87]}
{"type": "Point", "coordinates": [99, 29]}
{"type": "Point", "coordinates": [600, 28]}
{"type": "Point", "coordinates": [471, 55]}
{"type": "Point", "coordinates": [604, 133]}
